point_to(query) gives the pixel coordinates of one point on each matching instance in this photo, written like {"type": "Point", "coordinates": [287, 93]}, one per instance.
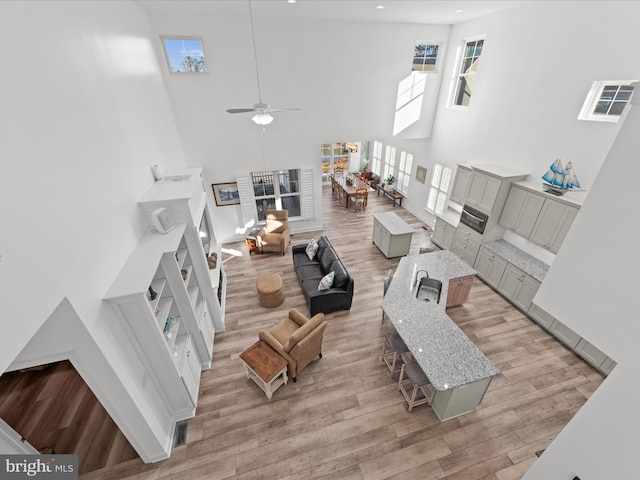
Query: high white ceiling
{"type": "Point", "coordinates": [396, 11]}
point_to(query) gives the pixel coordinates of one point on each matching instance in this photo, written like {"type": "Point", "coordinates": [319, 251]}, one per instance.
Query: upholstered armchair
{"type": "Point", "coordinates": [296, 338]}
{"type": "Point", "coordinates": [275, 235]}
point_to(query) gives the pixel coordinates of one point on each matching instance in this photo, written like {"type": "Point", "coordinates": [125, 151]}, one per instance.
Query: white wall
{"type": "Point", "coordinates": [84, 116]}
{"type": "Point", "coordinates": [538, 63]}
{"type": "Point", "coordinates": [343, 74]}
{"type": "Point", "coordinates": [590, 288]}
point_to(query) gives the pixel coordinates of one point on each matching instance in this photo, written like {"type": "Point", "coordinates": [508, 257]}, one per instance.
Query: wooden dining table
{"type": "Point", "coordinates": [349, 189]}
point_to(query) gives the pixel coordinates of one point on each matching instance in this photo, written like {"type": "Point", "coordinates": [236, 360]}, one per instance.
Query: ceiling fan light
{"type": "Point", "coordinates": [262, 118]}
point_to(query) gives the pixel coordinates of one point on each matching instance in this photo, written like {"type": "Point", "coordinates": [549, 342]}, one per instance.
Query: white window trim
{"type": "Point", "coordinates": [436, 66]}
{"type": "Point", "coordinates": [248, 198]}
{"type": "Point", "coordinates": [439, 190]}
{"type": "Point", "coordinates": [404, 171]}
{"type": "Point", "coordinates": [456, 71]}
{"type": "Point", "coordinates": [183, 37]}
{"type": "Point", "coordinates": [586, 113]}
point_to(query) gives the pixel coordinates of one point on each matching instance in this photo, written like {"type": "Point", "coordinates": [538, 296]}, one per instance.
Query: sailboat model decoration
{"type": "Point", "coordinates": [559, 180]}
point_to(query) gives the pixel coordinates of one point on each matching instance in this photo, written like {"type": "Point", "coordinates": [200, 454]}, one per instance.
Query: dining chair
{"type": "Point", "coordinates": [359, 199]}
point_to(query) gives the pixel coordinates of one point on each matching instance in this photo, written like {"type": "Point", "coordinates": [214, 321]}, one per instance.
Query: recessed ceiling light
{"type": "Point", "coordinates": [291, 1]}
{"type": "Point", "coordinates": [380, 7]}
{"type": "Point", "coordinates": [458, 11]}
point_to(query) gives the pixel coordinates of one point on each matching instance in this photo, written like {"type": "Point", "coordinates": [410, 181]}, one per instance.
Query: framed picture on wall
{"type": "Point", "coordinates": [421, 174]}
{"type": "Point", "coordinates": [226, 193]}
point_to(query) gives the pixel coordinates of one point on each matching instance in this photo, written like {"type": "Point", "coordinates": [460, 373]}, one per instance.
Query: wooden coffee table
{"type": "Point", "coordinates": [265, 367]}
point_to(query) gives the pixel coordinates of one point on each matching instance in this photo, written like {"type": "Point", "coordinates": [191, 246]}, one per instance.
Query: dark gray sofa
{"type": "Point", "coordinates": [310, 272]}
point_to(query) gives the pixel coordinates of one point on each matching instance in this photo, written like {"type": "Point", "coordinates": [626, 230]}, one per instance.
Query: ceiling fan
{"type": "Point", "coordinates": [261, 109]}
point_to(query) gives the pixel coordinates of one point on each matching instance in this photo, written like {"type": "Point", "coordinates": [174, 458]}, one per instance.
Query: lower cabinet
{"type": "Point", "coordinates": [518, 286]}
{"type": "Point", "coordinates": [443, 234]}
{"type": "Point", "coordinates": [571, 339]}
{"type": "Point", "coordinates": [466, 244]}
{"type": "Point", "coordinates": [490, 266]}
{"type": "Point", "coordinates": [458, 291]}
{"type": "Point", "coordinates": [565, 334]}
{"type": "Point", "coordinates": [540, 316]}
{"type": "Point", "coordinates": [190, 371]}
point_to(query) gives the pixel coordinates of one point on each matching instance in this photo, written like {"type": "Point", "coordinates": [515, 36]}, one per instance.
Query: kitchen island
{"type": "Point", "coordinates": [456, 367]}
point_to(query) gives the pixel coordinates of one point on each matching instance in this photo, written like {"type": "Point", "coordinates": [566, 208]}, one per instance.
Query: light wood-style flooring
{"type": "Point", "coordinates": [344, 418]}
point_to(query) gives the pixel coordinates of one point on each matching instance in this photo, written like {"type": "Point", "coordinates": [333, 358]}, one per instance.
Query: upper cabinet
{"type": "Point", "coordinates": [552, 224]}
{"type": "Point", "coordinates": [483, 191]}
{"type": "Point", "coordinates": [461, 184]}
{"type": "Point", "coordinates": [521, 211]}
{"type": "Point", "coordinates": [539, 216]}
{"type": "Point", "coordinates": [484, 187]}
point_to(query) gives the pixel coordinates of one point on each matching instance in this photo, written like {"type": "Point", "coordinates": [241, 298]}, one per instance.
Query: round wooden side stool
{"type": "Point", "coordinates": [270, 290]}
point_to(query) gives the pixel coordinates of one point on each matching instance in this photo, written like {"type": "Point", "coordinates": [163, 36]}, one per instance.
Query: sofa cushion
{"type": "Point", "coordinates": [300, 258]}
{"type": "Point", "coordinates": [323, 242]}
{"type": "Point", "coordinates": [305, 272]}
{"type": "Point", "coordinates": [341, 275]}
{"type": "Point", "coordinates": [312, 249]}
{"type": "Point", "coordinates": [327, 281]}
{"type": "Point", "coordinates": [327, 257]}
{"type": "Point", "coordinates": [310, 287]}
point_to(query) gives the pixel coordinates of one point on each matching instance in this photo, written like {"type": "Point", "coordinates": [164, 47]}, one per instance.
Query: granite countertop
{"type": "Point", "coordinates": [518, 258]}
{"type": "Point", "coordinates": [450, 216]}
{"type": "Point", "coordinates": [445, 354]}
{"type": "Point", "coordinates": [393, 223]}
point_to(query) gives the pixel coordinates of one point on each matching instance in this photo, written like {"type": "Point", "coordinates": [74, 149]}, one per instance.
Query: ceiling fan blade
{"type": "Point", "coordinates": [241, 110]}
{"type": "Point", "coordinates": [283, 109]}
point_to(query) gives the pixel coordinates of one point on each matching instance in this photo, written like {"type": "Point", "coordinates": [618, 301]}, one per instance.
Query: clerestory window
{"type": "Point", "coordinates": [607, 100]}
{"type": "Point", "coordinates": [184, 54]}
{"type": "Point", "coordinates": [466, 76]}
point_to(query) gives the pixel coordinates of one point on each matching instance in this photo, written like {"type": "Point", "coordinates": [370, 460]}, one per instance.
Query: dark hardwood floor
{"type": "Point", "coordinates": [344, 418]}
{"type": "Point", "coordinates": [56, 412]}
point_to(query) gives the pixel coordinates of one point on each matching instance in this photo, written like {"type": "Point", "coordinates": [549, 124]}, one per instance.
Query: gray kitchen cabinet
{"type": "Point", "coordinates": [565, 334]}
{"type": "Point", "coordinates": [466, 244]}
{"type": "Point", "coordinates": [608, 365]}
{"type": "Point", "coordinates": [541, 316]}
{"type": "Point", "coordinates": [483, 191]}
{"type": "Point", "coordinates": [461, 184]}
{"type": "Point", "coordinates": [490, 266]}
{"type": "Point", "coordinates": [521, 211]}
{"type": "Point", "coordinates": [443, 234]}
{"type": "Point", "coordinates": [590, 353]}
{"type": "Point", "coordinates": [391, 234]}
{"type": "Point", "coordinates": [552, 225]}
{"type": "Point", "coordinates": [518, 286]}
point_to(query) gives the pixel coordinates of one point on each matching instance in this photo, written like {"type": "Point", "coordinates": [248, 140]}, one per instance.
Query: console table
{"type": "Point", "coordinates": [395, 196]}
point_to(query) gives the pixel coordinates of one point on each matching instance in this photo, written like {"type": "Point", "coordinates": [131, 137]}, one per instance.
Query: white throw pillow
{"type": "Point", "coordinates": [327, 281]}
{"type": "Point", "coordinates": [311, 249]}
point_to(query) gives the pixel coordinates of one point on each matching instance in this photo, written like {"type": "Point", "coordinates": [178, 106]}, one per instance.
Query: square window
{"type": "Point", "coordinates": [607, 100]}
{"type": "Point", "coordinates": [424, 58]}
{"type": "Point", "coordinates": [184, 55]}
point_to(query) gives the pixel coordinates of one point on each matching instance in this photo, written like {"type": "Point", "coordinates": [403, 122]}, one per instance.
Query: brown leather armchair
{"type": "Point", "coordinates": [275, 236]}
{"type": "Point", "coordinates": [296, 338]}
